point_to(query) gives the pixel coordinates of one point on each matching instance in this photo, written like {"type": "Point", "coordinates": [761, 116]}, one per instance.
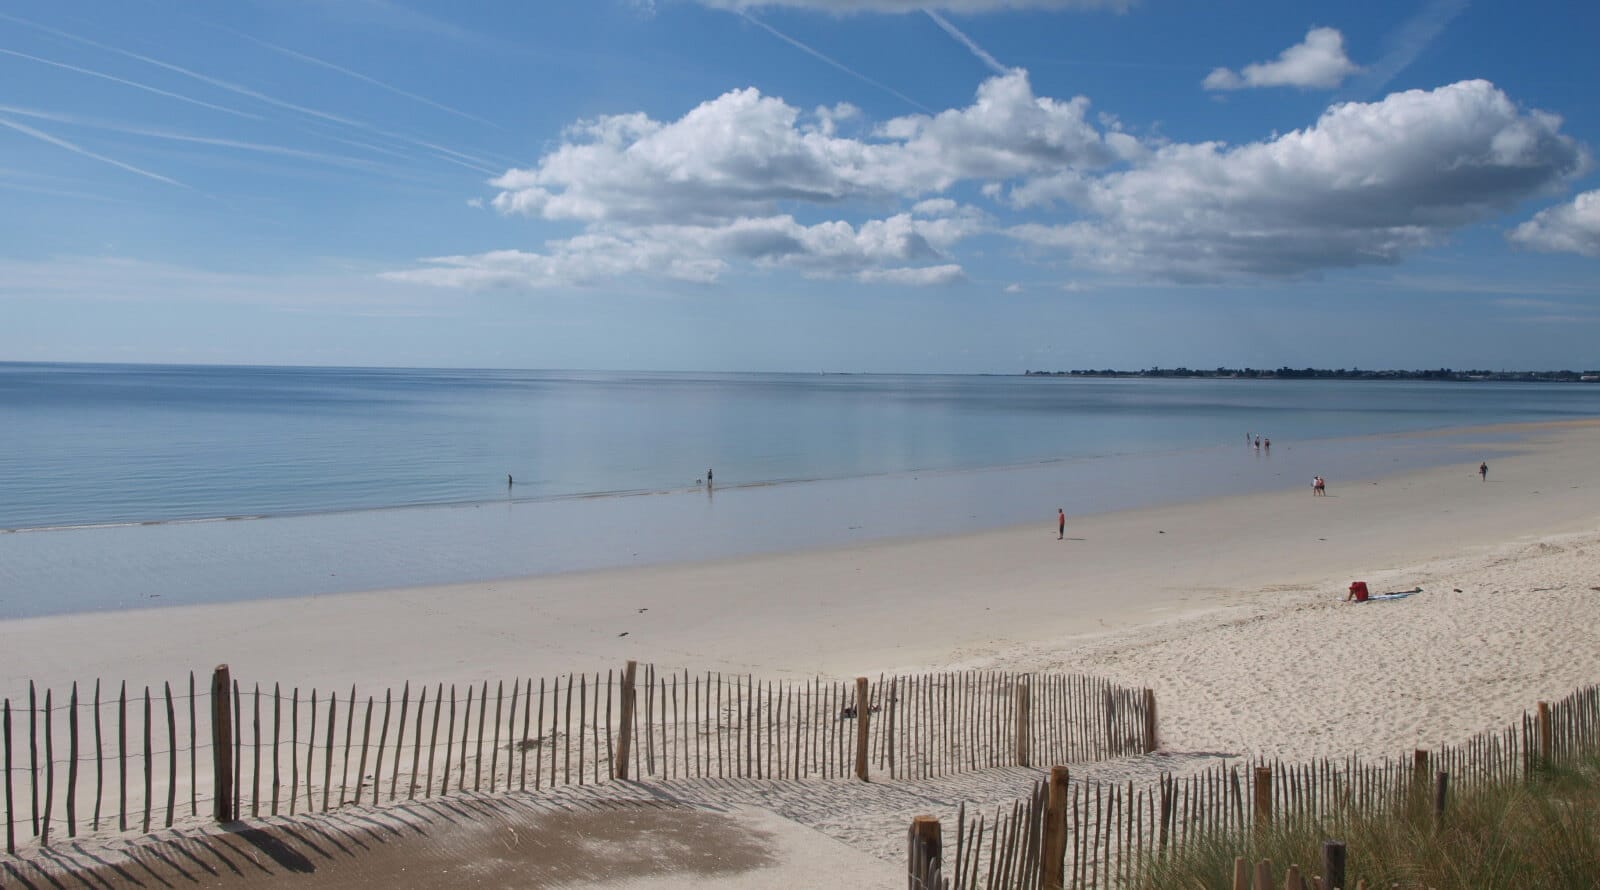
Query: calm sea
{"type": "Point", "coordinates": [107, 472]}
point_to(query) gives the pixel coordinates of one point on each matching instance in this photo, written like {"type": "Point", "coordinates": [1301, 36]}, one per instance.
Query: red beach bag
{"type": "Point", "coordinates": [1358, 589]}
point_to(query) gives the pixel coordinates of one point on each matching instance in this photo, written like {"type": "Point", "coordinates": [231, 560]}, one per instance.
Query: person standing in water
{"type": "Point", "coordinates": [1061, 524]}
{"type": "Point", "coordinates": [1483, 472]}
{"type": "Point", "coordinates": [708, 477]}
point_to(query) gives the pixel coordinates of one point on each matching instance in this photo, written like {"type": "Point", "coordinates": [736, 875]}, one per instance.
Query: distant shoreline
{"type": "Point", "coordinates": [1446, 375]}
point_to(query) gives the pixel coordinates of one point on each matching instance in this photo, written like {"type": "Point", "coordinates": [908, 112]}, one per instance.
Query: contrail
{"type": "Point", "coordinates": [241, 90]}
{"type": "Point", "coordinates": [968, 42]}
{"type": "Point", "coordinates": [365, 79]}
{"type": "Point", "coordinates": [156, 133]}
{"type": "Point", "coordinates": [1408, 42]}
{"type": "Point", "coordinates": [62, 143]}
{"type": "Point", "coordinates": [135, 84]}
{"type": "Point", "coordinates": [837, 64]}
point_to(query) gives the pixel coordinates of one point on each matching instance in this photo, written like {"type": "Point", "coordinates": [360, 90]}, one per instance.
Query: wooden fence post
{"type": "Point", "coordinates": [1441, 790]}
{"type": "Point", "coordinates": [1053, 846]}
{"type": "Point", "coordinates": [924, 852]}
{"type": "Point", "coordinates": [1264, 875]}
{"type": "Point", "coordinates": [625, 740]}
{"type": "Point", "coordinates": [1149, 721]}
{"type": "Point", "coordinates": [1419, 782]}
{"type": "Point", "coordinates": [863, 739]}
{"type": "Point", "coordinates": [1023, 722]}
{"type": "Point", "coordinates": [1546, 746]}
{"type": "Point", "coordinates": [222, 743]}
{"type": "Point", "coordinates": [1333, 865]}
{"type": "Point", "coordinates": [1241, 874]}
{"type": "Point", "coordinates": [11, 836]}
{"type": "Point", "coordinates": [1263, 798]}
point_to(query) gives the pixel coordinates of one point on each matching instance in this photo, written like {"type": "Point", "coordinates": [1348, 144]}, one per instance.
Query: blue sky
{"type": "Point", "coordinates": [978, 185]}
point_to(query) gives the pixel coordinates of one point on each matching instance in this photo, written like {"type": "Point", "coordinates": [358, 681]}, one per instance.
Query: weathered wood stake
{"type": "Point", "coordinates": [72, 764]}
{"type": "Point", "coordinates": [222, 744]}
{"type": "Point", "coordinates": [148, 790]}
{"type": "Point", "coordinates": [1546, 741]}
{"type": "Point", "coordinates": [122, 757]}
{"type": "Point", "coordinates": [1149, 721]}
{"type": "Point", "coordinates": [924, 852]}
{"type": "Point", "coordinates": [5, 732]}
{"type": "Point", "coordinates": [1441, 790]}
{"type": "Point", "coordinates": [1263, 798]}
{"type": "Point", "coordinates": [1023, 710]}
{"type": "Point", "coordinates": [1053, 844]}
{"type": "Point", "coordinates": [172, 755]}
{"type": "Point", "coordinates": [863, 736]}
{"type": "Point", "coordinates": [366, 738]}
{"type": "Point", "coordinates": [625, 738]}
{"type": "Point", "coordinates": [1333, 853]}
{"type": "Point", "coordinates": [49, 772]}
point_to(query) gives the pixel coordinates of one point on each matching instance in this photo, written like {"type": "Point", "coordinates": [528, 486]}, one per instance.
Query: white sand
{"type": "Point", "coordinates": [1228, 608]}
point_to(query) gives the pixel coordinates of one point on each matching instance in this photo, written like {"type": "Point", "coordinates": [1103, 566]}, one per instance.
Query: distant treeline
{"type": "Point", "coordinates": [1336, 374]}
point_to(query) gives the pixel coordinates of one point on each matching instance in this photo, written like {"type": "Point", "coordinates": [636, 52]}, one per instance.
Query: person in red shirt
{"type": "Point", "coordinates": [1061, 524]}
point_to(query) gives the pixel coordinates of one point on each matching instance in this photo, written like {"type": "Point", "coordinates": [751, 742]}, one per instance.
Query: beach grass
{"type": "Point", "coordinates": [1544, 833]}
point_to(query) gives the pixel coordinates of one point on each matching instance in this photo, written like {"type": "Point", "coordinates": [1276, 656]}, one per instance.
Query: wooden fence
{"type": "Point", "coordinates": [228, 750]}
{"type": "Point", "coordinates": [1109, 831]}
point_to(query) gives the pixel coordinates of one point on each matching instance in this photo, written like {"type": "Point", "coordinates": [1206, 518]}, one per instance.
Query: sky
{"type": "Point", "coordinates": [972, 186]}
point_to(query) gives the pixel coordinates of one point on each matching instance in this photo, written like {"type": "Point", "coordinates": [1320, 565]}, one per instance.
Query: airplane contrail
{"type": "Point", "coordinates": [62, 143]}
{"type": "Point", "coordinates": [132, 83]}
{"type": "Point", "coordinates": [295, 54]}
{"type": "Point", "coordinates": [157, 133]}
{"type": "Point", "coordinates": [253, 94]}
{"type": "Point", "coordinates": [835, 63]}
{"type": "Point", "coordinates": [968, 42]}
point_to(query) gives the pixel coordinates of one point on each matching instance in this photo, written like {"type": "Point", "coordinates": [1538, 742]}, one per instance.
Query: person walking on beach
{"type": "Point", "coordinates": [1483, 472]}
{"type": "Point", "coordinates": [1061, 524]}
{"type": "Point", "coordinates": [1319, 488]}
{"type": "Point", "coordinates": [708, 477]}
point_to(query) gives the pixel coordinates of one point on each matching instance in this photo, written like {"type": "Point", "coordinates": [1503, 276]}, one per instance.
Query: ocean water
{"type": "Point", "coordinates": [118, 483]}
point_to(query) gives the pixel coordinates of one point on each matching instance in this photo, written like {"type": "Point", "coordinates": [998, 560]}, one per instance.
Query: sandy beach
{"type": "Point", "coordinates": [1229, 608]}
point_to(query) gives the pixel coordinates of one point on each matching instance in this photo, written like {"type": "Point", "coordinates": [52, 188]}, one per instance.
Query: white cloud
{"type": "Point", "coordinates": [923, 276]}
{"type": "Point", "coordinates": [745, 154]}
{"type": "Point", "coordinates": [747, 182]}
{"type": "Point", "coordinates": [1316, 62]}
{"type": "Point", "coordinates": [1013, 288]}
{"type": "Point", "coordinates": [1573, 227]}
{"type": "Point", "coordinates": [1366, 184]}
{"type": "Point", "coordinates": [876, 250]}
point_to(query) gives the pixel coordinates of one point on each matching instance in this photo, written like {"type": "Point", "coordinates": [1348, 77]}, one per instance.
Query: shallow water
{"type": "Point", "coordinates": [343, 461]}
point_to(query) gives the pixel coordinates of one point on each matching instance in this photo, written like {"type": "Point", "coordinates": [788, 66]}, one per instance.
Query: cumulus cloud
{"type": "Point", "coordinates": [921, 276]}
{"type": "Point", "coordinates": [877, 250]}
{"type": "Point", "coordinates": [745, 154]}
{"type": "Point", "coordinates": [1573, 227]}
{"type": "Point", "coordinates": [745, 181]}
{"type": "Point", "coordinates": [1316, 62]}
{"type": "Point", "coordinates": [1366, 184]}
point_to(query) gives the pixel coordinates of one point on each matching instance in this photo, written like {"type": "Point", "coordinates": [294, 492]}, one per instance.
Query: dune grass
{"type": "Point", "coordinates": [1541, 834]}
